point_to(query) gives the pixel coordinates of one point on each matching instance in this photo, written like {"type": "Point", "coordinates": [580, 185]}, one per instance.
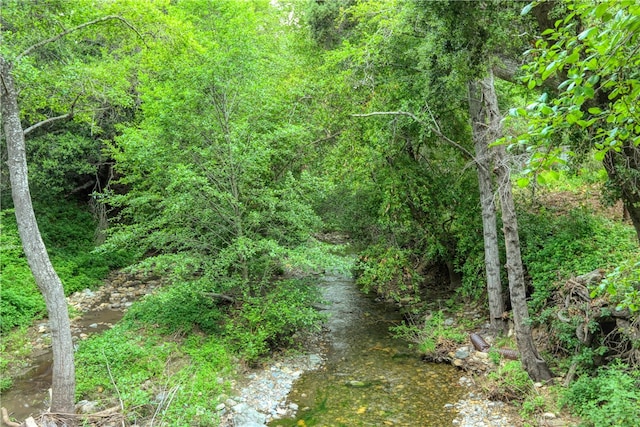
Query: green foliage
{"type": "Point", "coordinates": [558, 246]}
{"type": "Point", "coordinates": [593, 45]}
{"type": "Point", "coordinates": [14, 355]}
{"type": "Point", "coordinates": [532, 405]}
{"type": "Point", "coordinates": [120, 358]}
{"type": "Point", "coordinates": [262, 319]}
{"type": "Point", "coordinates": [268, 321]}
{"type": "Point", "coordinates": [622, 284]}
{"type": "Point", "coordinates": [389, 272]}
{"type": "Point", "coordinates": [610, 398]}
{"type": "Point", "coordinates": [213, 176]}
{"type": "Point", "coordinates": [153, 375]}
{"type": "Point", "coordinates": [509, 382]}
{"type": "Point", "coordinates": [178, 308]}
{"type": "Point", "coordinates": [68, 231]}
{"type": "Point", "coordinates": [591, 51]}
{"type": "Point", "coordinates": [430, 335]}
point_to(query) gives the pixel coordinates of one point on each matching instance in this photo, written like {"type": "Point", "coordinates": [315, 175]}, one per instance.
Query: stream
{"type": "Point", "coordinates": [29, 393]}
{"type": "Point", "coordinates": [369, 378]}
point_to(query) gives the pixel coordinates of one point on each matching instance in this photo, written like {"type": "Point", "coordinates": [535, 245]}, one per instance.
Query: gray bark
{"type": "Point", "coordinates": [63, 384]}
{"type": "Point", "coordinates": [535, 365]}
{"type": "Point", "coordinates": [482, 137]}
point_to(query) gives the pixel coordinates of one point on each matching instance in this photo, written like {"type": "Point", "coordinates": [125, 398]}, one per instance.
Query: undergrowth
{"type": "Point", "coordinates": [68, 231]}
{"type": "Point", "coordinates": [611, 397]}
{"type": "Point", "coordinates": [555, 248]}
{"type": "Point", "coordinates": [165, 378]}
{"type": "Point", "coordinates": [169, 358]}
{"type": "Point", "coordinates": [432, 336]}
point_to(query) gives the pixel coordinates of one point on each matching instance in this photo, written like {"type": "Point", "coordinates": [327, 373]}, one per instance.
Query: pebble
{"type": "Point", "coordinates": [265, 392]}
{"type": "Point", "coordinates": [480, 413]}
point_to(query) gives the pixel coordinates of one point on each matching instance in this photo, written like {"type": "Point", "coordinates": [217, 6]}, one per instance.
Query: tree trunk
{"type": "Point", "coordinates": [63, 386]}
{"type": "Point", "coordinates": [482, 137]}
{"type": "Point", "coordinates": [623, 168]}
{"type": "Point", "coordinates": [535, 365]}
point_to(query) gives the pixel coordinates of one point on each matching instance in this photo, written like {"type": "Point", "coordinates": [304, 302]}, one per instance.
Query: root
{"type": "Point", "coordinates": [6, 420]}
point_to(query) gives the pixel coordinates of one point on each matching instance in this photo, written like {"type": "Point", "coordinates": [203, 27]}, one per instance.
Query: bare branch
{"type": "Point", "coordinates": [47, 121]}
{"type": "Point", "coordinates": [52, 119]}
{"type": "Point", "coordinates": [76, 28]}
{"type": "Point", "coordinates": [435, 129]}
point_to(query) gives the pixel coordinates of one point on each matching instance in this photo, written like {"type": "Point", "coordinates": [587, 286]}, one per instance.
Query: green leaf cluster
{"type": "Point", "coordinates": [555, 247]}
{"type": "Point", "coordinates": [622, 285]}
{"type": "Point", "coordinates": [431, 334]}
{"type": "Point", "coordinates": [211, 173]}
{"type": "Point", "coordinates": [591, 52]}
{"type": "Point", "coordinates": [610, 398]}
{"type": "Point", "coordinates": [154, 375]}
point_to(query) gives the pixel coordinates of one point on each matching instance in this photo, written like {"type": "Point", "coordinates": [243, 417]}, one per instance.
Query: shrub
{"type": "Point", "coordinates": [267, 321]}
{"type": "Point", "coordinates": [390, 272]}
{"type": "Point", "coordinates": [509, 382]}
{"type": "Point", "coordinates": [434, 339]}
{"type": "Point", "coordinates": [611, 398]}
{"type": "Point", "coordinates": [68, 231]}
{"type": "Point", "coordinates": [557, 247]}
{"type": "Point", "coordinates": [177, 308]}
{"type": "Point", "coordinates": [155, 376]}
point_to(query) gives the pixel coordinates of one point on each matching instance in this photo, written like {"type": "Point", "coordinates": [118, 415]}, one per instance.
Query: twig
{"type": "Point", "coordinates": [52, 119]}
{"type": "Point", "coordinates": [114, 383]}
{"type": "Point", "coordinates": [172, 394]}
{"type": "Point", "coordinates": [219, 296]}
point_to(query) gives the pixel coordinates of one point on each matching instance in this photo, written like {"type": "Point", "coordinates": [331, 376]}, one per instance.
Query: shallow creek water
{"type": "Point", "coordinates": [370, 378]}
{"type": "Point", "coordinates": [30, 391]}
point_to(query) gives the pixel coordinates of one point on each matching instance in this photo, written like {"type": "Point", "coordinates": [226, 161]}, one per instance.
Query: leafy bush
{"type": "Point", "coordinates": [557, 247]}
{"type": "Point", "coordinates": [19, 306]}
{"type": "Point", "coordinates": [623, 285]}
{"type": "Point", "coordinates": [68, 231]}
{"type": "Point", "coordinates": [611, 398]}
{"type": "Point", "coordinates": [177, 308]}
{"type": "Point", "coordinates": [270, 320]}
{"type": "Point", "coordinates": [509, 382]}
{"type": "Point", "coordinates": [388, 271]}
{"type": "Point", "coordinates": [433, 337]}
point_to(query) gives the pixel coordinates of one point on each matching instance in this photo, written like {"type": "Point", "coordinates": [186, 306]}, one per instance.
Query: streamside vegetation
{"type": "Point", "coordinates": [476, 154]}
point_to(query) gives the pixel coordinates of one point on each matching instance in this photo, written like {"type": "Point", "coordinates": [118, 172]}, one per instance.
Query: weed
{"type": "Point", "coordinates": [532, 405]}
{"type": "Point", "coordinates": [611, 398]}
{"type": "Point", "coordinates": [510, 382]}
{"type": "Point", "coordinates": [433, 338]}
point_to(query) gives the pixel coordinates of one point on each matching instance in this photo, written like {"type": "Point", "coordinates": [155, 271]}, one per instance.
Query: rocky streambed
{"type": "Point", "coordinates": [355, 373]}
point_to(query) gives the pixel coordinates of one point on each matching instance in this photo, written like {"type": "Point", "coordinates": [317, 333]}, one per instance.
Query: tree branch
{"type": "Point", "coordinates": [435, 129]}
{"type": "Point", "coordinates": [76, 28]}
{"type": "Point", "coordinates": [52, 119]}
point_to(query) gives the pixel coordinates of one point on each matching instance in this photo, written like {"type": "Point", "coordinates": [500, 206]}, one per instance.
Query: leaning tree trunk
{"type": "Point", "coordinates": [535, 365]}
{"type": "Point", "coordinates": [483, 135]}
{"type": "Point", "coordinates": [63, 384]}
